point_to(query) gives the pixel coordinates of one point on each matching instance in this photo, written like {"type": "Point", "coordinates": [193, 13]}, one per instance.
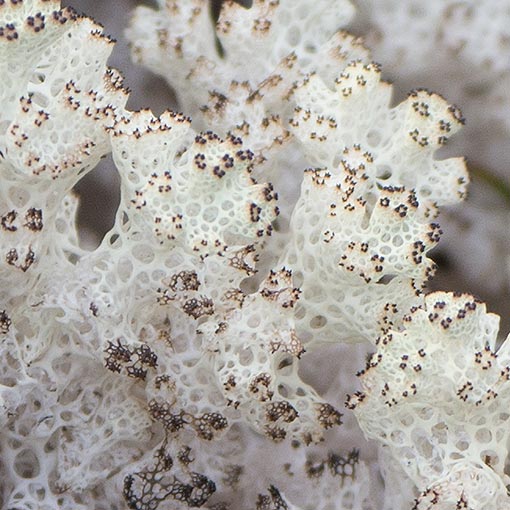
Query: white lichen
{"type": "Point", "coordinates": [167, 368]}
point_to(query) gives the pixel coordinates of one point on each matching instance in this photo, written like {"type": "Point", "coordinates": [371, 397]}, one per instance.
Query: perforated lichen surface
{"type": "Point", "coordinates": [436, 394]}
{"type": "Point", "coordinates": [168, 367]}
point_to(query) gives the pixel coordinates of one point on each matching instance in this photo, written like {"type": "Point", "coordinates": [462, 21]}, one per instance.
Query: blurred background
{"type": "Point", "coordinates": [457, 49]}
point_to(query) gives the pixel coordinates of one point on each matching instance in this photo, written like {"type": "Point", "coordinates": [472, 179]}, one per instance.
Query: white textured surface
{"type": "Point", "coordinates": [436, 395]}
{"type": "Point", "coordinates": [164, 338]}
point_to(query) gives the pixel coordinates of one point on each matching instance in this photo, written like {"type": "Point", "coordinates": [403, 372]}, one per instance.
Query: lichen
{"type": "Point", "coordinates": [291, 219]}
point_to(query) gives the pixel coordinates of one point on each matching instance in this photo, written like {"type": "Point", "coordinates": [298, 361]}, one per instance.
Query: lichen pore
{"type": "Point", "coordinates": [257, 312]}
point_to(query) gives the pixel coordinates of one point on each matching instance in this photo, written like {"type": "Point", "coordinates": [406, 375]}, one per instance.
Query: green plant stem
{"type": "Point", "coordinates": [499, 184]}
